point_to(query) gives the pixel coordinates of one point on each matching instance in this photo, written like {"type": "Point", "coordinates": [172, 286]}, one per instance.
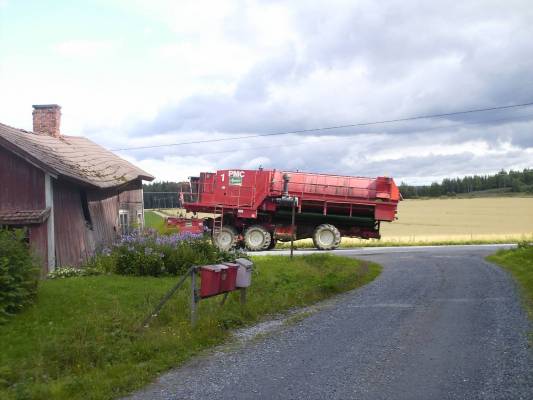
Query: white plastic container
{"type": "Point", "coordinates": [244, 273]}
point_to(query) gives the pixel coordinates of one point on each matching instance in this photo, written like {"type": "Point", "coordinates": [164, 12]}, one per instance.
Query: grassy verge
{"type": "Point", "coordinates": [81, 339]}
{"type": "Point", "coordinates": [154, 221]}
{"type": "Point", "coordinates": [519, 262]}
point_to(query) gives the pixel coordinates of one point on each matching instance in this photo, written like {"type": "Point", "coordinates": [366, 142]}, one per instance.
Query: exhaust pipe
{"type": "Point", "coordinates": [286, 200]}
{"type": "Point", "coordinates": [286, 179]}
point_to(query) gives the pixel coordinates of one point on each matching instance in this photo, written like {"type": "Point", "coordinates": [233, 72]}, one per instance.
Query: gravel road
{"type": "Point", "coordinates": [438, 323]}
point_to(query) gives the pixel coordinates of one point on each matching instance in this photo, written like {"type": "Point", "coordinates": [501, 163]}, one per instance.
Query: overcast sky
{"type": "Point", "coordinates": [131, 73]}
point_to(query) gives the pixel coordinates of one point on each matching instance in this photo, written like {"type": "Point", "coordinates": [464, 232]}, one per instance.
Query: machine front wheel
{"type": "Point", "coordinates": [226, 239]}
{"type": "Point", "coordinates": [326, 237]}
{"type": "Point", "coordinates": [257, 238]}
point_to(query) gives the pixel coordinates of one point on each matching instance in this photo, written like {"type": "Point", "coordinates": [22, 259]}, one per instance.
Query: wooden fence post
{"type": "Point", "coordinates": [193, 297]}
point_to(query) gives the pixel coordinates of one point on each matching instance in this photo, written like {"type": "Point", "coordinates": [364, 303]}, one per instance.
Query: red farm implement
{"type": "Point", "coordinates": [186, 225]}
{"type": "Point", "coordinates": [254, 207]}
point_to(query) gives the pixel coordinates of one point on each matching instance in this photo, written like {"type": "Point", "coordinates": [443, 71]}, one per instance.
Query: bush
{"type": "Point", "coordinates": [19, 273]}
{"type": "Point", "coordinates": [525, 244]}
{"type": "Point", "coordinates": [152, 254]}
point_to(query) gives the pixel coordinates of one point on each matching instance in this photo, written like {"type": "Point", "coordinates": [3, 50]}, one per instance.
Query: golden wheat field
{"type": "Point", "coordinates": [477, 220]}
{"type": "Point", "coordinates": [462, 218]}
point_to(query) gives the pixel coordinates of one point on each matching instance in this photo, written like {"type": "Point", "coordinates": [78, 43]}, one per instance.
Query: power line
{"type": "Point", "coordinates": [277, 146]}
{"type": "Point", "coordinates": [360, 124]}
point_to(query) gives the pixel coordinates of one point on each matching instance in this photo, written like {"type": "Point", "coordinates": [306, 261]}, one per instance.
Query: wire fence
{"type": "Point", "coordinates": [162, 200]}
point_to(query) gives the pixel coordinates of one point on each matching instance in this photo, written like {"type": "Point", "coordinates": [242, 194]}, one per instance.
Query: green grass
{"type": "Point", "coordinates": [81, 339]}
{"type": "Point", "coordinates": [154, 221]}
{"type": "Point", "coordinates": [519, 262]}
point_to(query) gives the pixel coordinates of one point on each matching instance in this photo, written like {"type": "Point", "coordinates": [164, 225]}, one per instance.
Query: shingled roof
{"type": "Point", "coordinates": [24, 217]}
{"type": "Point", "coordinates": [73, 157]}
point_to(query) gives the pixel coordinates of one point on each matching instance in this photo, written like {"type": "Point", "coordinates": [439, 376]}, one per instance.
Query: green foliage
{"type": "Point", "coordinates": [104, 262]}
{"type": "Point", "coordinates": [503, 181]}
{"type": "Point", "coordinates": [19, 273]}
{"type": "Point", "coordinates": [525, 244]}
{"type": "Point", "coordinates": [81, 340]}
{"type": "Point", "coordinates": [158, 255]}
{"type": "Point", "coordinates": [138, 260]}
{"type": "Point", "coordinates": [178, 259]}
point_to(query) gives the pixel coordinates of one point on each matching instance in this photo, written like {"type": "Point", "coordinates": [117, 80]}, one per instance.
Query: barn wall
{"type": "Point", "coordinates": [73, 239]}
{"type": "Point", "coordinates": [131, 199]}
{"type": "Point", "coordinates": [39, 243]}
{"type": "Point", "coordinates": [22, 188]}
{"type": "Point", "coordinates": [104, 206]}
{"type": "Point", "coordinates": [21, 184]}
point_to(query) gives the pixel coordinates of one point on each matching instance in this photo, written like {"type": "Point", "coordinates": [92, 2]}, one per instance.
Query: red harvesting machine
{"type": "Point", "coordinates": [255, 207]}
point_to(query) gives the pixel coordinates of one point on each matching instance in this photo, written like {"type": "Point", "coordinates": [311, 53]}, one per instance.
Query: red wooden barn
{"type": "Point", "coordinates": [72, 195]}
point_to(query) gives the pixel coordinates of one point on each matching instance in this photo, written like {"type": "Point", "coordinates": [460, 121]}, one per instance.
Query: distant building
{"type": "Point", "coordinates": [71, 195]}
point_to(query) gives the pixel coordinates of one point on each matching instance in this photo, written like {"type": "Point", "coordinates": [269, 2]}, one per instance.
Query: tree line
{"type": "Point", "coordinates": [504, 181]}
{"type": "Point", "coordinates": [164, 194]}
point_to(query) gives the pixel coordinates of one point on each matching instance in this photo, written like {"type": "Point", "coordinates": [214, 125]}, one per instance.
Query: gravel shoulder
{"type": "Point", "coordinates": [437, 324]}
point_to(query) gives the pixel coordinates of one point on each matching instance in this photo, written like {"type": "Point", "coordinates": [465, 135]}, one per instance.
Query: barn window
{"type": "Point", "coordinates": [124, 222]}
{"type": "Point", "coordinates": [85, 208]}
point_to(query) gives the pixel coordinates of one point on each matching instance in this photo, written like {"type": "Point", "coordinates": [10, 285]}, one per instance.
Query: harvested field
{"type": "Point", "coordinates": [449, 221]}
{"type": "Point", "coordinates": [476, 220]}
{"type": "Point", "coordinates": [462, 218]}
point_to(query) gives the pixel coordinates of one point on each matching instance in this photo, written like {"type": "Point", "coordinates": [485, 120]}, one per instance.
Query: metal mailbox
{"type": "Point", "coordinates": [210, 280]}
{"type": "Point", "coordinates": [228, 277]}
{"type": "Point", "coordinates": [244, 272]}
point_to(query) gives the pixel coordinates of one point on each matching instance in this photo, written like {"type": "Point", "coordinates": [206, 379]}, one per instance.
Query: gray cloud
{"type": "Point", "coordinates": [367, 61]}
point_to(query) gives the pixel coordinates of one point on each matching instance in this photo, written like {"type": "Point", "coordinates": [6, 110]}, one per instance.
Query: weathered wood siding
{"type": "Point", "coordinates": [131, 199]}
{"type": "Point", "coordinates": [38, 235]}
{"type": "Point", "coordinates": [104, 206]}
{"type": "Point", "coordinates": [21, 184]}
{"type": "Point", "coordinates": [73, 239]}
{"type": "Point", "coordinates": [22, 188]}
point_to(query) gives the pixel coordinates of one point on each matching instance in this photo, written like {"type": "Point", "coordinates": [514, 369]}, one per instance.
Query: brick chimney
{"type": "Point", "coordinates": [46, 119]}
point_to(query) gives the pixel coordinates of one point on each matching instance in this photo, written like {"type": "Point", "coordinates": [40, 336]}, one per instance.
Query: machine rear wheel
{"type": "Point", "coordinates": [326, 237]}
{"type": "Point", "coordinates": [226, 239]}
{"type": "Point", "coordinates": [257, 238]}
{"type": "Point", "coordinates": [272, 244]}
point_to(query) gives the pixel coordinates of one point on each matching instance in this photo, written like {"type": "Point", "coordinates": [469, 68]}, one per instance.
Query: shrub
{"type": "Point", "coordinates": [138, 260]}
{"type": "Point", "coordinates": [525, 244]}
{"type": "Point", "coordinates": [154, 254]}
{"type": "Point", "coordinates": [104, 262]}
{"type": "Point", "coordinates": [19, 273]}
{"type": "Point", "coordinates": [151, 254]}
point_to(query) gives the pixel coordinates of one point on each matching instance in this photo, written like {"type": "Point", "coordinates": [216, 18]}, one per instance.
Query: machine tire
{"type": "Point", "coordinates": [326, 237]}
{"type": "Point", "coordinates": [257, 238]}
{"type": "Point", "coordinates": [226, 239]}
{"type": "Point", "coordinates": [272, 244]}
